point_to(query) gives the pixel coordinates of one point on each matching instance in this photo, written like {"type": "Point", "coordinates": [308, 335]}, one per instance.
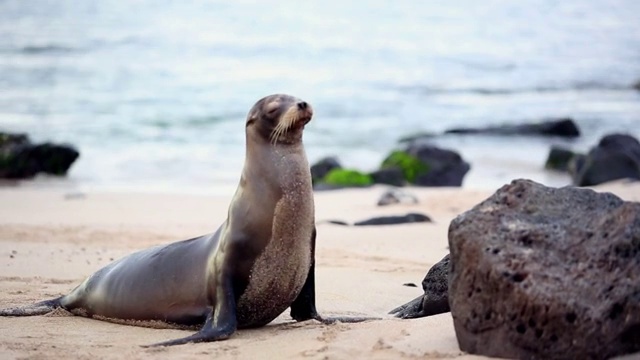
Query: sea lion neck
{"type": "Point", "coordinates": [269, 166]}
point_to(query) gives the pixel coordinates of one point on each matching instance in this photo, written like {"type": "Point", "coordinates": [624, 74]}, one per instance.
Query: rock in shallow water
{"type": "Point", "coordinates": [617, 156]}
{"type": "Point", "coordinates": [445, 167]}
{"type": "Point", "coordinates": [559, 159]}
{"type": "Point", "coordinates": [564, 127]}
{"type": "Point", "coordinates": [544, 273]}
{"type": "Point", "coordinates": [20, 159]}
{"type": "Point", "coordinates": [389, 176]}
{"type": "Point", "coordinates": [321, 168]}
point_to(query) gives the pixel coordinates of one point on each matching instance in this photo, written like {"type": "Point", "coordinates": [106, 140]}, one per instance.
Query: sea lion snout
{"type": "Point", "coordinates": [306, 112]}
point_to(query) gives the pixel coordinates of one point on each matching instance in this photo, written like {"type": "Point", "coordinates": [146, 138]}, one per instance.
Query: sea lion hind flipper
{"type": "Point", "coordinates": [304, 306]}
{"type": "Point", "coordinates": [39, 308]}
{"type": "Point", "coordinates": [221, 322]}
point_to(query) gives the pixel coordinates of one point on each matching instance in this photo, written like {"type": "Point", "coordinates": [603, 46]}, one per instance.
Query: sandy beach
{"type": "Point", "coordinates": [51, 239]}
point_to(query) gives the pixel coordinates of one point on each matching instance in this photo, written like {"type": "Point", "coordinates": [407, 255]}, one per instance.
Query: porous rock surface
{"type": "Point", "coordinates": [545, 273]}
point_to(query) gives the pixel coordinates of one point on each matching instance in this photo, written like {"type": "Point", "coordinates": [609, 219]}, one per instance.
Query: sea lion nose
{"type": "Point", "coordinates": [302, 105]}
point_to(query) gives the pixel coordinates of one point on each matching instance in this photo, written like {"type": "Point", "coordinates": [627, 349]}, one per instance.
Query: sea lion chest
{"type": "Point", "coordinates": [280, 270]}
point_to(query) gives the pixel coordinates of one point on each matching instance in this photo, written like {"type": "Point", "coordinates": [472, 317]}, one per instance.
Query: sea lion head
{"type": "Point", "coordinates": [279, 118]}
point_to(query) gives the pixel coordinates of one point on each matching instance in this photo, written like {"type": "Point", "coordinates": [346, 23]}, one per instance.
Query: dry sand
{"type": "Point", "coordinates": [51, 240]}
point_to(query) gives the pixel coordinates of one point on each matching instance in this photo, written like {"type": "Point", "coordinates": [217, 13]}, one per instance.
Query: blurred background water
{"type": "Point", "coordinates": [154, 93]}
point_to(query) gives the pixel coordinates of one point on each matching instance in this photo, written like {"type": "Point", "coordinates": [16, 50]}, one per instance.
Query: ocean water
{"type": "Point", "coordinates": [154, 93]}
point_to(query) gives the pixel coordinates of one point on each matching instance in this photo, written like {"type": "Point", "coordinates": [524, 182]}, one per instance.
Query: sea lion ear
{"type": "Point", "coordinates": [253, 116]}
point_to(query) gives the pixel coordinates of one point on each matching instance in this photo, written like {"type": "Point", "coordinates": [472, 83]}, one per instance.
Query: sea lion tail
{"type": "Point", "coordinates": [39, 308]}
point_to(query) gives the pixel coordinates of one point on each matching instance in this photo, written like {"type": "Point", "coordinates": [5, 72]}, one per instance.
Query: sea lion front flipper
{"type": "Point", "coordinates": [221, 322]}
{"type": "Point", "coordinates": [304, 306]}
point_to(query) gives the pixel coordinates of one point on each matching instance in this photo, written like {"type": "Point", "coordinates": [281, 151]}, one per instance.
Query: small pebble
{"type": "Point", "coordinates": [396, 196]}
{"type": "Point", "coordinates": [75, 195]}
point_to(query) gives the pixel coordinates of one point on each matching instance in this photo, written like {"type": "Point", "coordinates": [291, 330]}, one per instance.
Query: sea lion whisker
{"type": "Point", "coordinates": [288, 119]}
{"type": "Point", "coordinates": [275, 135]}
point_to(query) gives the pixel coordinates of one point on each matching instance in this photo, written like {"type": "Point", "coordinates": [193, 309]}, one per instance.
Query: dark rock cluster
{"type": "Point", "coordinates": [21, 159]}
{"type": "Point", "coordinates": [419, 164]}
{"type": "Point", "coordinates": [616, 156]}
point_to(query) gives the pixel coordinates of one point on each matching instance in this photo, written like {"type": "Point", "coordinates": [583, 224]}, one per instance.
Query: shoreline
{"type": "Point", "coordinates": [73, 185]}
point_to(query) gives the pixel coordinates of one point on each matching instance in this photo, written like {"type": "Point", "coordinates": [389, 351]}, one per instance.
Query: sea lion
{"type": "Point", "coordinates": [256, 265]}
